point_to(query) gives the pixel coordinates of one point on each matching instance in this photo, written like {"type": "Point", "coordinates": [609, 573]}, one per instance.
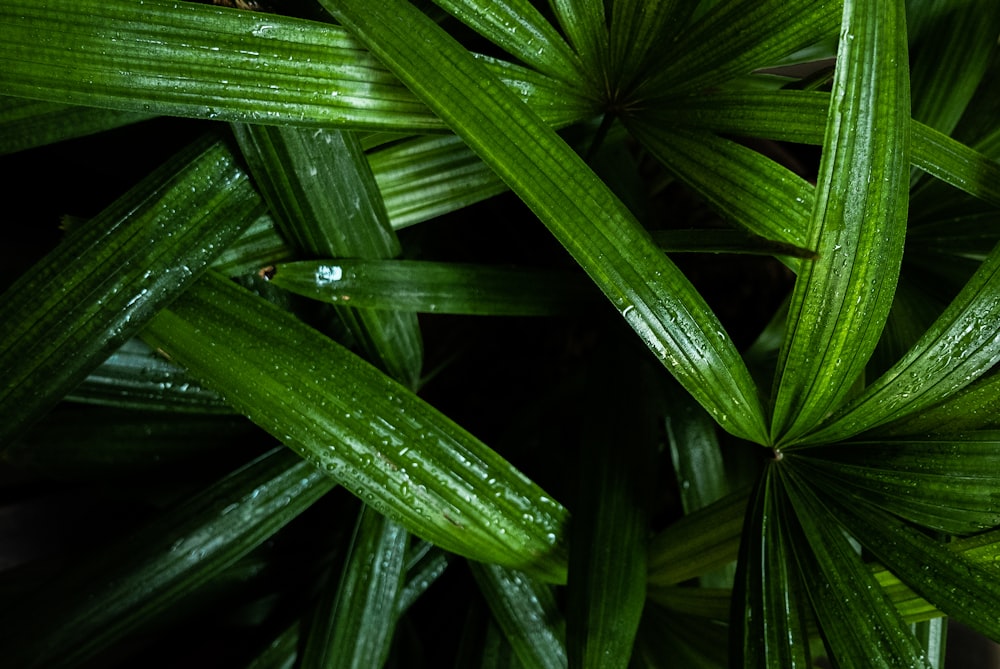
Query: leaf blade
{"type": "Point", "coordinates": [377, 439]}
{"type": "Point", "coordinates": [841, 301]}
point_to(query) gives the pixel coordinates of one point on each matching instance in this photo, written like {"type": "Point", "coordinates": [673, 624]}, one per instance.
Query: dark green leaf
{"type": "Point", "coordinates": [527, 612]}
{"type": "Point", "coordinates": [429, 176]}
{"type": "Point", "coordinates": [321, 190]}
{"type": "Point", "coordinates": [447, 288]}
{"type": "Point", "coordinates": [136, 377]}
{"type": "Point", "coordinates": [367, 431]}
{"type": "Point", "coordinates": [961, 587]}
{"type": "Point", "coordinates": [769, 603]}
{"type": "Point", "coordinates": [520, 29]}
{"type": "Point", "coordinates": [162, 57]}
{"type": "Point", "coordinates": [842, 299]}
{"type": "Point", "coordinates": [109, 276]}
{"type": "Point", "coordinates": [578, 208]}
{"type": "Point", "coordinates": [26, 124]}
{"type": "Point", "coordinates": [747, 188]}
{"type": "Point", "coordinates": [353, 627]}
{"type": "Point", "coordinates": [126, 585]}
{"type": "Point", "coordinates": [735, 38]}
{"type": "Point", "coordinates": [961, 346]}
{"type": "Point", "coordinates": [698, 543]}
{"type": "Point", "coordinates": [944, 483]}
{"type": "Point", "coordinates": [859, 624]}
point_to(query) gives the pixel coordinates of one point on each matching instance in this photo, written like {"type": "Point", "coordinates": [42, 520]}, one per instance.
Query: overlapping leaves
{"type": "Point", "coordinates": [798, 567]}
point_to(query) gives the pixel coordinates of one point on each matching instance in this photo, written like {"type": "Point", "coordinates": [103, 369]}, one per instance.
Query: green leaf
{"type": "Point", "coordinates": [950, 61]}
{"type": "Point", "coordinates": [698, 543]}
{"type": "Point", "coordinates": [321, 190]}
{"type": "Point", "coordinates": [527, 612]}
{"type": "Point", "coordinates": [963, 588]}
{"type": "Point", "coordinates": [735, 38]}
{"type": "Point", "coordinates": [639, 30]}
{"type": "Point", "coordinates": [126, 585]}
{"type": "Point", "coordinates": [961, 346]}
{"type": "Point", "coordinates": [259, 245]}
{"type": "Point", "coordinates": [433, 287]}
{"type": "Point", "coordinates": [842, 299]}
{"type": "Point", "coordinates": [161, 57]}
{"type": "Point", "coordinates": [109, 276]}
{"type": "Point", "coordinates": [584, 25]}
{"type": "Point", "coordinates": [367, 431]}
{"type": "Point", "coordinates": [859, 624]}
{"type": "Point", "coordinates": [424, 564]}
{"type": "Point", "coordinates": [136, 377]}
{"type": "Point", "coordinates": [944, 483]}
{"type": "Point", "coordinates": [429, 176]}
{"type": "Point", "coordinates": [747, 188]}
{"type": "Point", "coordinates": [576, 206]}
{"type": "Point", "coordinates": [26, 124]}
{"type": "Point", "coordinates": [354, 627]}
{"type": "Point", "coordinates": [520, 29]}
{"type": "Point", "coordinates": [974, 407]}
{"type": "Point", "coordinates": [606, 587]}
{"type": "Point", "coordinates": [955, 164]}
{"type": "Point", "coordinates": [769, 602]}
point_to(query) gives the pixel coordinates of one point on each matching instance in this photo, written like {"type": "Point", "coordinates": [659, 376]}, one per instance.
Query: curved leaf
{"type": "Point", "coordinates": [576, 206]}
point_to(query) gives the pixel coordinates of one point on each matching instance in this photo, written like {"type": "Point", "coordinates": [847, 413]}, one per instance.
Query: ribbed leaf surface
{"type": "Point", "coordinates": [365, 430]}
{"type": "Point", "coordinates": [129, 583]}
{"type": "Point", "coordinates": [110, 275]}
{"type": "Point", "coordinates": [431, 287]}
{"type": "Point", "coordinates": [842, 299]}
{"type": "Point", "coordinates": [162, 57]}
{"type": "Point", "coordinates": [576, 206]}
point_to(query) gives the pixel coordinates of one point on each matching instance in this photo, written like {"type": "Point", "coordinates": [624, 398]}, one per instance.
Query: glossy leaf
{"type": "Point", "coordinates": [861, 627]}
{"type": "Point", "coordinates": [320, 188]}
{"type": "Point", "coordinates": [128, 584]}
{"type": "Point", "coordinates": [734, 38]}
{"type": "Point", "coordinates": [962, 345]}
{"type": "Point", "coordinates": [354, 627]}
{"type": "Point", "coordinates": [944, 483]}
{"type": "Point", "coordinates": [108, 277]}
{"type": "Point", "coordinates": [576, 206]}
{"type": "Point", "coordinates": [431, 287]}
{"type": "Point", "coordinates": [963, 588]}
{"type": "Point", "coordinates": [365, 430]}
{"type": "Point", "coordinates": [974, 407]}
{"type": "Point", "coordinates": [841, 300]}
{"type": "Point", "coordinates": [527, 612]}
{"type": "Point", "coordinates": [698, 543]}
{"type": "Point", "coordinates": [160, 57]}
{"type": "Point", "coordinates": [27, 124]}
{"type": "Point", "coordinates": [747, 188]}
{"type": "Point", "coordinates": [429, 176]}
{"type": "Point", "coordinates": [520, 29]}
{"type": "Point", "coordinates": [769, 602]}
{"type": "Point", "coordinates": [638, 31]}
{"type": "Point", "coordinates": [585, 27]}
{"type": "Point", "coordinates": [136, 377]}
